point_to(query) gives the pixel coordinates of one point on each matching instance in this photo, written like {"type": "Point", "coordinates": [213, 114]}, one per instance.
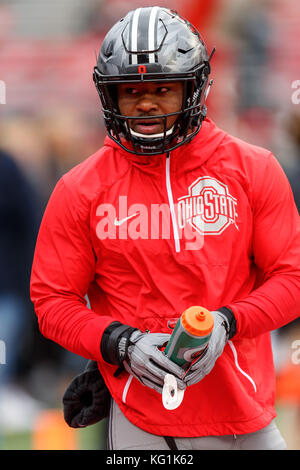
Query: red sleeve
{"type": "Point", "coordinates": [63, 267]}
{"type": "Point", "coordinates": [276, 250]}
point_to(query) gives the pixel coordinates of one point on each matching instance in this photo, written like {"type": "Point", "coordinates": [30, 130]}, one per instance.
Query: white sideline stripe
{"type": "Point", "coordinates": [134, 34]}
{"type": "Point", "coordinates": [125, 391]}
{"type": "Point", "coordinates": [233, 349]}
{"type": "Point", "coordinates": [151, 36]}
{"type": "Point", "coordinates": [171, 204]}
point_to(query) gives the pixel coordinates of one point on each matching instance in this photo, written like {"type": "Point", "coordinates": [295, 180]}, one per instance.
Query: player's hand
{"type": "Point", "coordinates": [217, 342]}
{"type": "Point", "coordinates": [148, 364]}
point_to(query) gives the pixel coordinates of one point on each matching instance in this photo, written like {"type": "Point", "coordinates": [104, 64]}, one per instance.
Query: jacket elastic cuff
{"type": "Point", "coordinates": [231, 320]}
{"type": "Point", "coordinates": [113, 350]}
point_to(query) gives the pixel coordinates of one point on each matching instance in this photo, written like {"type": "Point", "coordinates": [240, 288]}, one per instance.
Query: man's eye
{"type": "Point", "coordinates": [131, 91]}
{"type": "Point", "coordinates": [163, 89]}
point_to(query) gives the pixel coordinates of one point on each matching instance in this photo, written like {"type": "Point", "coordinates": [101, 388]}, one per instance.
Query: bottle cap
{"type": "Point", "coordinates": [197, 320]}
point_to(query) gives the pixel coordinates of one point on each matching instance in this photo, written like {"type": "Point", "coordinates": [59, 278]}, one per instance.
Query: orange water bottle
{"type": "Point", "coordinates": [190, 336]}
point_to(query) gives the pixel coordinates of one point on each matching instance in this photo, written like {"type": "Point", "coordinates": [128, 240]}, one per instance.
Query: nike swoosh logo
{"type": "Point", "coordinates": [120, 222]}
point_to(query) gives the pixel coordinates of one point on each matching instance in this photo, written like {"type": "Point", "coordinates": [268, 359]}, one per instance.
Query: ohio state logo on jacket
{"type": "Point", "coordinates": [209, 207]}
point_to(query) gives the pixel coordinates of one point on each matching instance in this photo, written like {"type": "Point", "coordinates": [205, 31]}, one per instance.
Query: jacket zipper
{"type": "Point", "coordinates": [171, 203]}
{"type": "Point", "coordinates": [177, 244]}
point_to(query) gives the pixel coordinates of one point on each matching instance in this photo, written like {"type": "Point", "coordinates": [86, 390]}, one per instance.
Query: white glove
{"type": "Point", "coordinates": [148, 364]}
{"type": "Point", "coordinates": [217, 342]}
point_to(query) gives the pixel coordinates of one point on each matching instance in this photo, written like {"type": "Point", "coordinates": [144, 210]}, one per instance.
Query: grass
{"type": "Point", "coordinates": [90, 438]}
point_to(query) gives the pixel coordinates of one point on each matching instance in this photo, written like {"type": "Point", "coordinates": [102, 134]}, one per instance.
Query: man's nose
{"type": "Point", "coordinates": [147, 103]}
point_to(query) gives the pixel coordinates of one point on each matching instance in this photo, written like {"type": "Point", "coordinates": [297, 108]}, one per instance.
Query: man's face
{"type": "Point", "coordinates": [150, 99]}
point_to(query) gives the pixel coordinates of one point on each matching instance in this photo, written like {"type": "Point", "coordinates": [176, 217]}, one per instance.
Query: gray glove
{"type": "Point", "coordinates": [148, 364]}
{"type": "Point", "coordinates": [217, 342]}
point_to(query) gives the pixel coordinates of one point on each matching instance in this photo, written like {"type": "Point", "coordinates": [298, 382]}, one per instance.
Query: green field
{"type": "Point", "coordinates": [90, 438]}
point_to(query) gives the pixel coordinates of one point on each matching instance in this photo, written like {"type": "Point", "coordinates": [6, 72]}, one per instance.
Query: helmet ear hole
{"type": "Point", "coordinates": [194, 111]}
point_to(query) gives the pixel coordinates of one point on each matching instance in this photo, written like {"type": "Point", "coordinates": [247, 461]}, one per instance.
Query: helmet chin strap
{"type": "Point", "coordinates": [152, 136]}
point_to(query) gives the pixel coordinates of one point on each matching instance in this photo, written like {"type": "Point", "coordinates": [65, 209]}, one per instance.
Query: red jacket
{"type": "Point", "coordinates": [213, 224]}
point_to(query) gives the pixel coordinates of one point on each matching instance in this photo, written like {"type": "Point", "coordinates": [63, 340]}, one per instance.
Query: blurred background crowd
{"type": "Point", "coordinates": [50, 120]}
